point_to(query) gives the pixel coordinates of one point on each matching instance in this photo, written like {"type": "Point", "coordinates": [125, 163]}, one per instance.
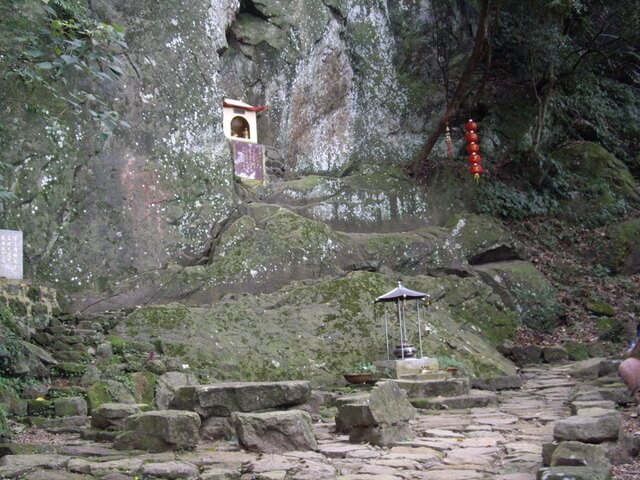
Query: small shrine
{"type": "Point", "coordinates": [240, 120]}
{"type": "Point", "coordinates": [240, 127]}
{"type": "Point", "coordinates": [405, 305]}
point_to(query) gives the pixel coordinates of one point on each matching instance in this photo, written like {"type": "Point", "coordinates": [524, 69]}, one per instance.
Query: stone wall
{"type": "Point", "coordinates": [28, 301]}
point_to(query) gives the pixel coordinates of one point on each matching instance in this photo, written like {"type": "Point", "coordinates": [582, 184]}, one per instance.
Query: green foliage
{"type": "Point", "coordinates": [362, 367]}
{"type": "Point", "coordinates": [65, 392]}
{"type": "Point", "coordinates": [500, 200]}
{"type": "Point", "coordinates": [599, 108]}
{"type": "Point", "coordinates": [17, 384]}
{"type": "Point", "coordinates": [445, 362]}
{"type": "Point", "coordinates": [10, 349]}
{"type": "Point", "coordinates": [4, 425]}
{"type": "Point", "coordinates": [125, 379]}
{"type": "Point", "coordinates": [118, 344]}
{"type": "Point", "coordinates": [6, 317]}
{"type": "Point", "coordinates": [52, 53]}
{"type": "Point", "coordinates": [49, 44]}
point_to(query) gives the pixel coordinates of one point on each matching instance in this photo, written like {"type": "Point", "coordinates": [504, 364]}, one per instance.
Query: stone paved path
{"type": "Point", "coordinates": [499, 443]}
{"type": "Point", "coordinates": [502, 442]}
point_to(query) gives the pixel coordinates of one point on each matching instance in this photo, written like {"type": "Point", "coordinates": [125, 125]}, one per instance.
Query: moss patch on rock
{"type": "Point", "coordinates": [143, 386]}
{"type": "Point", "coordinates": [602, 185]}
{"type": "Point", "coordinates": [576, 351]}
{"type": "Point", "coordinates": [315, 329]}
{"type": "Point", "coordinates": [524, 289]}
{"type": "Point", "coordinates": [600, 308]}
{"type": "Point", "coordinates": [97, 394]}
{"type": "Point", "coordinates": [624, 256]}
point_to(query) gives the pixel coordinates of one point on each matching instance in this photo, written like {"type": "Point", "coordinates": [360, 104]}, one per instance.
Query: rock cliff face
{"type": "Point", "coordinates": [117, 216]}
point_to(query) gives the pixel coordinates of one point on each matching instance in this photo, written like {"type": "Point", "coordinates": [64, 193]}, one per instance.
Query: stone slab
{"type": "Point", "coordinates": [221, 400]}
{"type": "Point", "coordinates": [434, 388]}
{"type": "Point", "coordinates": [407, 366]}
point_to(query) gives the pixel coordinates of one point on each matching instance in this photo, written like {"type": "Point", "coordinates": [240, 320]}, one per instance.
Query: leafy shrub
{"type": "Point", "coordinates": [4, 424]}
{"type": "Point", "coordinates": [500, 200]}
{"type": "Point", "coordinates": [362, 367]}
{"type": "Point", "coordinates": [6, 317]}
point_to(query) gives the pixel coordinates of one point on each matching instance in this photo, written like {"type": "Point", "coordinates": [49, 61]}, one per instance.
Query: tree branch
{"type": "Point", "coordinates": [419, 165]}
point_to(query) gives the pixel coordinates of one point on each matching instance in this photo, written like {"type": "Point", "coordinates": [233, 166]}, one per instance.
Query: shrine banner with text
{"type": "Point", "coordinates": [11, 254]}
{"type": "Point", "coordinates": [248, 160]}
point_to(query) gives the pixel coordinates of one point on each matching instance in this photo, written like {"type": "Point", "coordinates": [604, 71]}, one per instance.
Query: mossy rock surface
{"type": "Point", "coordinates": [380, 200]}
{"type": "Point", "coordinates": [524, 289]}
{"type": "Point", "coordinates": [624, 256]}
{"type": "Point", "coordinates": [483, 239]}
{"type": "Point", "coordinates": [600, 308]}
{"type": "Point", "coordinates": [576, 350]}
{"type": "Point", "coordinates": [611, 329]}
{"type": "Point", "coordinates": [592, 161]}
{"type": "Point", "coordinates": [108, 391]}
{"type": "Point", "coordinates": [602, 187]}
{"type": "Point", "coordinates": [313, 330]}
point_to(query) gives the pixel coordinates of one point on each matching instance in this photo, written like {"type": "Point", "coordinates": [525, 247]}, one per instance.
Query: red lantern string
{"type": "Point", "coordinates": [473, 149]}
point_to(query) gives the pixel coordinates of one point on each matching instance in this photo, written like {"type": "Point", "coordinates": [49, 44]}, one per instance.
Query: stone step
{"type": "Point", "coordinates": [89, 335]}
{"type": "Point", "coordinates": [435, 375]}
{"type": "Point", "coordinates": [450, 387]}
{"type": "Point", "coordinates": [473, 399]}
{"type": "Point", "coordinates": [89, 325]}
{"type": "Point", "coordinates": [74, 356]}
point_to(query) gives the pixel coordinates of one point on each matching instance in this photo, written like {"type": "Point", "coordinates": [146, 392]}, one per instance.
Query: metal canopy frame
{"type": "Point", "coordinates": [399, 296]}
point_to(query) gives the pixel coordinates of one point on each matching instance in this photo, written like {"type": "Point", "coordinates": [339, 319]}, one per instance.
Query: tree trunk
{"type": "Point", "coordinates": [543, 107]}
{"type": "Point", "coordinates": [419, 165]}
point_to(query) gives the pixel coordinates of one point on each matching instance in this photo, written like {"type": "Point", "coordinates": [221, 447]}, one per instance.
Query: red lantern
{"type": "Point", "coordinates": [472, 137]}
{"type": "Point", "coordinates": [474, 158]}
{"type": "Point", "coordinates": [473, 148]}
{"type": "Point", "coordinates": [471, 126]}
{"type": "Point", "coordinates": [476, 169]}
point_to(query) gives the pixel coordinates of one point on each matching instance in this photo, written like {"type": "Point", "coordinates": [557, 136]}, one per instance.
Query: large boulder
{"type": "Point", "coordinates": [108, 391]}
{"type": "Point", "coordinates": [222, 399]}
{"type": "Point", "coordinates": [603, 426]}
{"type": "Point", "coordinates": [70, 406]}
{"type": "Point", "coordinates": [587, 369]}
{"type": "Point", "coordinates": [168, 384]}
{"type": "Point", "coordinates": [578, 454]}
{"type": "Point", "coordinates": [113, 415]}
{"type": "Point", "coordinates": [482, 239]}
{"type": "Point", "coordinates": [573, 473]}
{"type": "Point", "coordinates": [159, 431]}
{"type": "Point", "coordinates": [20, 358]}
{"type": "Point", "coordinates": [335, 323]}
{"type": "Point", "coordinates": [523, 288]}
{"type": "Point", "coordinates": [591, 167]}
{"type": "Point", "coordinates": [386, 404]}
{"type": "Point", "coordinates": [380, 417]}
{"type": "Point", "coordinates": [624, 256]}
{"type": "Point", "coordinates": [274, 432]}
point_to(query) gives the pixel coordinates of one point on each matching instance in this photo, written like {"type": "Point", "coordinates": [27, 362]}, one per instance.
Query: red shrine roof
{"type": "Point", "coordinates": [230, 103]}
